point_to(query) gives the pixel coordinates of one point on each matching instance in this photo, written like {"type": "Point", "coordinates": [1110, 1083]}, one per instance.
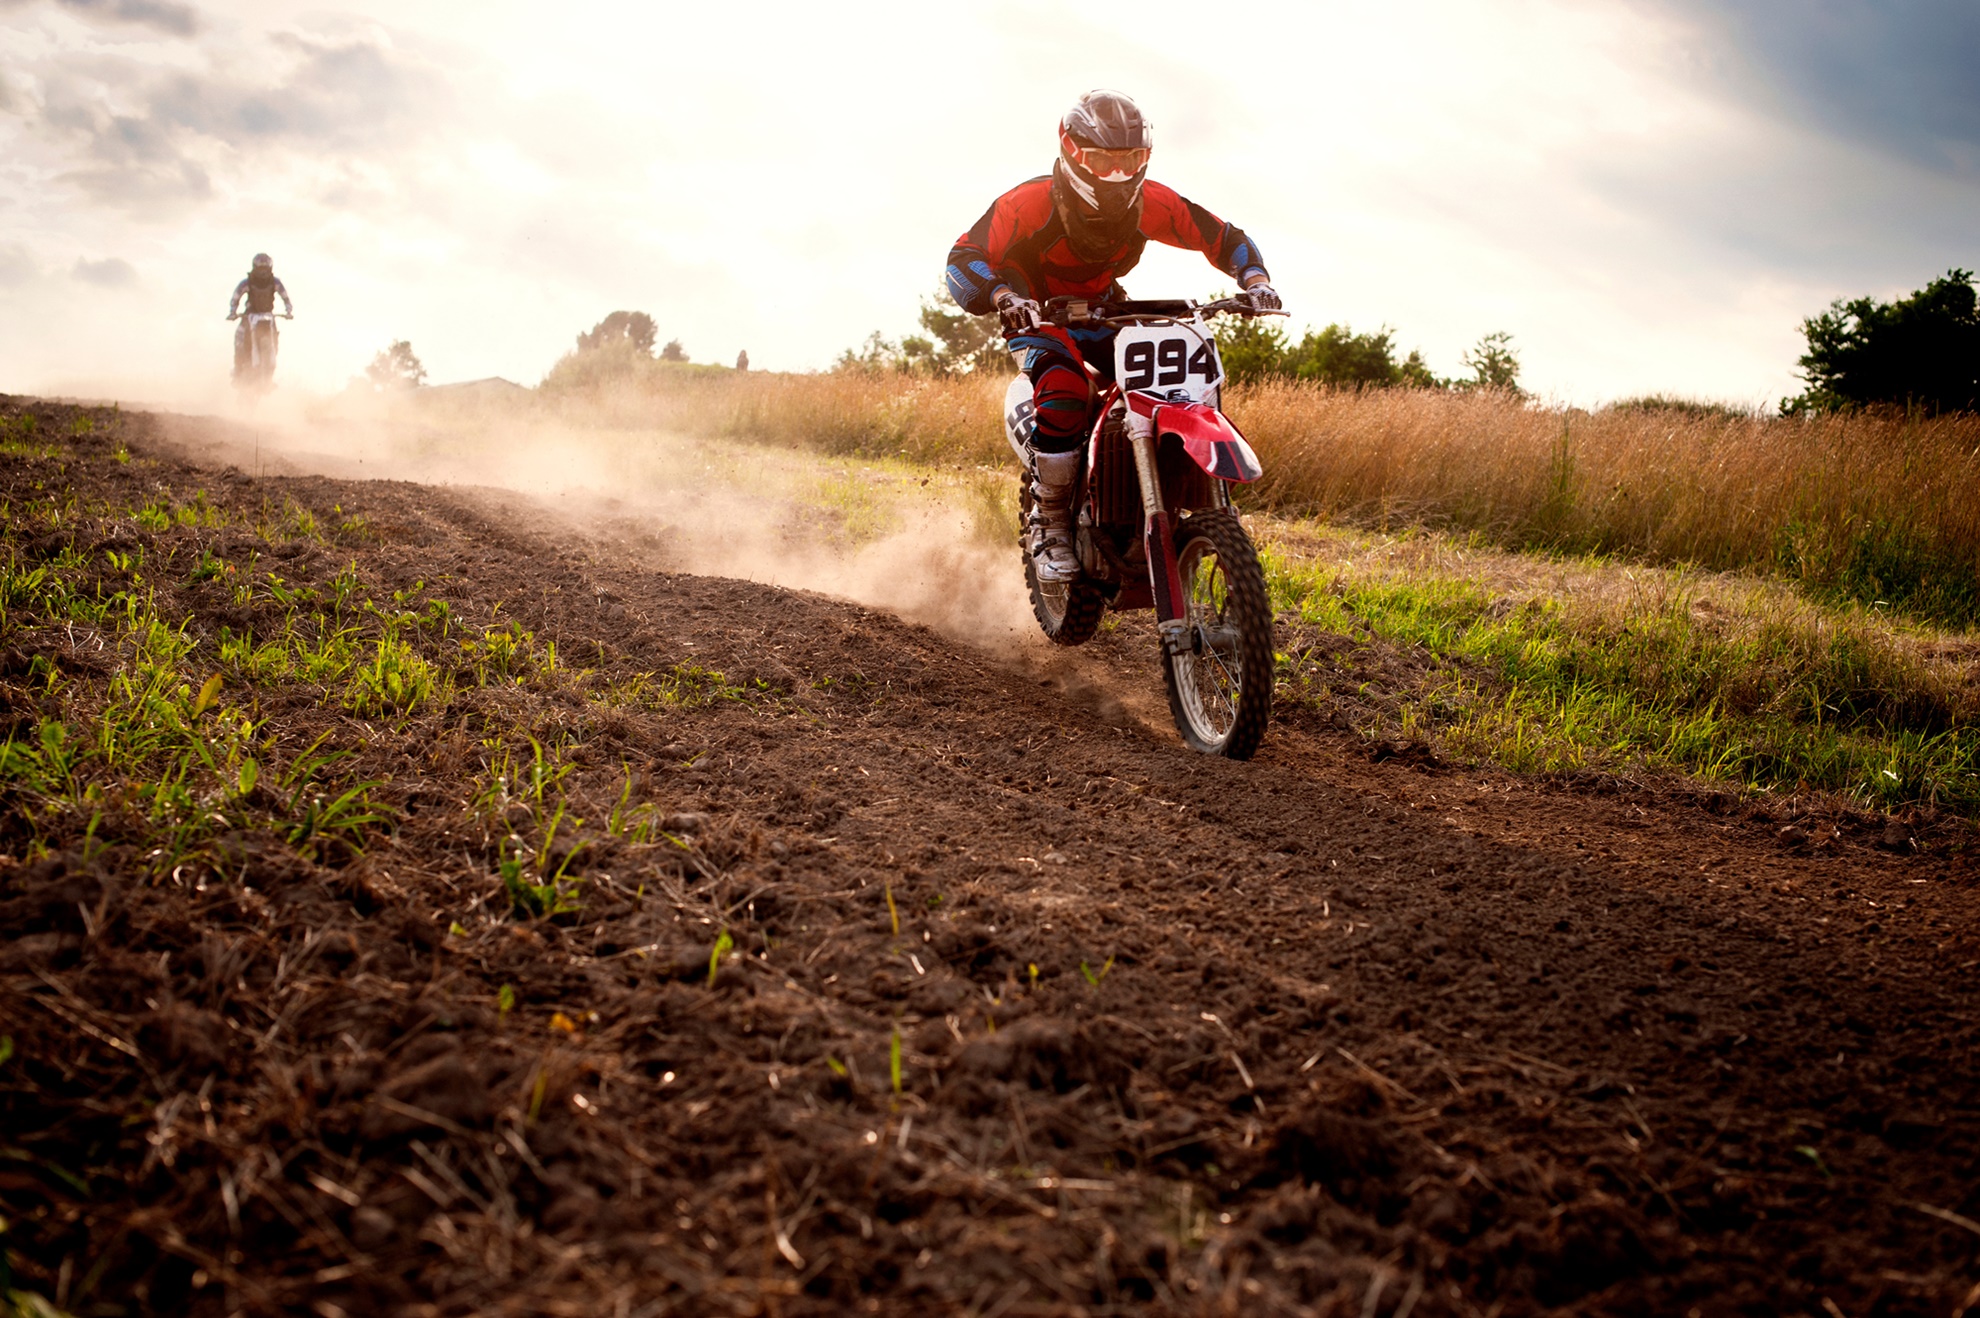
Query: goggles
{"type": "Point", "coordinates": [1108, 164]}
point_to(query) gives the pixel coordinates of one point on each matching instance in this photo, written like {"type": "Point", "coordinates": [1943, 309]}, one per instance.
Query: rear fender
{"type": "Point", "coordinates": [1207, 435]}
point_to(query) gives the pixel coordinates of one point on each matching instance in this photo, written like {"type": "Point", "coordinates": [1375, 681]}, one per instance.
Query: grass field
{"type": "Point", "coordinates": [1883, 509]}
{"type": "Point", "coordinates": [1774, 603]}
{"type": "Point", "coordinates": [1870, 508]}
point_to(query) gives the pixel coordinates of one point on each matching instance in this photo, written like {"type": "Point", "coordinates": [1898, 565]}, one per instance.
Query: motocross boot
{"type": "Point", "coordinates": [1054, 476]}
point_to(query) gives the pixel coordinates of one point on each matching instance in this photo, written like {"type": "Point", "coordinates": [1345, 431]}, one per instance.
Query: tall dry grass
{"type": "Point", "coordinates": [1875, 508]}
{"type": "Point", "coordinates": [1881, 507]}
{"type": "Point", "coordinates": [874, 415]}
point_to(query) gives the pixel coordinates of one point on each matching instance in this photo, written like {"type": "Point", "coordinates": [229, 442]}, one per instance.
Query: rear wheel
{"type": "Point", "coordinates": [1220, 686]}
{"type": "Point", "coordinates": [1068, 612]}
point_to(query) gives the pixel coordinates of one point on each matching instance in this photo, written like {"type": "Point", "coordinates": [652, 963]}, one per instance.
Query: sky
{"type": "Point", "coordinates": [1648, 195]}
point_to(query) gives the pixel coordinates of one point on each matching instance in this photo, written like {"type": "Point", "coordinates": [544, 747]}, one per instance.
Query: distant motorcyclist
{"type": "Point", "coordinates": [1074, 233]}
{"type": "Point", "coordinates": [260, 288]}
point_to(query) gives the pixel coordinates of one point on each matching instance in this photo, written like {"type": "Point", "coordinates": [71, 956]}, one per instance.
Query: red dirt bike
{"type": "Point", "coordinates": [1153, 522]}
{"type": "Point", "coordinates": [255, 368]}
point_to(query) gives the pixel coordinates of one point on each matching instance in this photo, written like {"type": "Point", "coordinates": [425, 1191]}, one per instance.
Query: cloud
{"type": "Point", "coordinates": [17, 267]}
{"type": "Point", "coordinates": [131, 134]}
{"type": "Point", "coordinates": [177, 20]}
{"type": "Point", "coordinates": [1897, 77]}
{"type": "Point", "coordinates": [110, 272]}
{"type": "Point", "coordinates": [349, 94]}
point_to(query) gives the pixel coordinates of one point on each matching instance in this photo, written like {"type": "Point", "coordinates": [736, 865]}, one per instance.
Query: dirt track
{"type": "Point", "coordinates": [1330, 1032]}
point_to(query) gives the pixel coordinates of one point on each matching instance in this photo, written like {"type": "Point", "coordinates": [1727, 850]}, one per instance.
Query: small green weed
{"type": "Point", "coordinates": [396, 681]}
{"type": "Point", "coordinates": [684, 686]}
{"type": "Point", "coordinates": [508, 655]}
{"type": "Point", "coordinates": [538, 900]}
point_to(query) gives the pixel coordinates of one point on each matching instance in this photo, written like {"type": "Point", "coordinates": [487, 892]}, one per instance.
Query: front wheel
{"type": "Point", "coordinates": [1220, 685]}
{"type": "Point", "coordinates": [267, 340]}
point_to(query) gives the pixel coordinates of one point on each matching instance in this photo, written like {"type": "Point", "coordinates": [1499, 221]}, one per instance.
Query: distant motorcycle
{"type": "Point", "coordinates": [255, 369]}
{"type": "Point", "coordinates": [1153, 522]}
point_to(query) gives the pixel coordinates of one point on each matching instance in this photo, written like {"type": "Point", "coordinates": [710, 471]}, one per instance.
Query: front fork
{"type": "Point", "coordinates": [1159, 542]}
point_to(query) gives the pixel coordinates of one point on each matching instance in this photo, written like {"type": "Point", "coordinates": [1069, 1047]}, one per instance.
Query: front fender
{"type": "Point", "coordinates": [1209, 438]}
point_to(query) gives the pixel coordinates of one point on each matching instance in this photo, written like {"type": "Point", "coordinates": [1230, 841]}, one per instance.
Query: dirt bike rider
{"type": "Point", "coordinates": [260, 288]}
{"type": "Point", "coordinates": [1074, 233]}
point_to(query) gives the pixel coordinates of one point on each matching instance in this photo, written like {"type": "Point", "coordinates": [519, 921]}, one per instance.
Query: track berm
{"type": "Point", "coordinates": [949, 985]}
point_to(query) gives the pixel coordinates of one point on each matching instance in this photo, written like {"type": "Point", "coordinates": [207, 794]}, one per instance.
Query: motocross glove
{"type": "Point", "coordinates": [1264, 297]}
{"type": "Point", "coordinates": [1017, 314]}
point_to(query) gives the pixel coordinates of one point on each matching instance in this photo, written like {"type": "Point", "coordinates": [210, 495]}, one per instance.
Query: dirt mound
{"type": "Point", "coordinates": [812, 962]}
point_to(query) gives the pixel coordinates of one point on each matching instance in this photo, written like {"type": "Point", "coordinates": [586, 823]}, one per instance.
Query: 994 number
{"type": "Point", "coordinates": [1161, 363]}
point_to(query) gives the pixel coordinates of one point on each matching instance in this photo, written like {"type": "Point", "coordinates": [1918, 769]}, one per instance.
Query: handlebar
{"type": "Point", "coordinates": [1071, 311]}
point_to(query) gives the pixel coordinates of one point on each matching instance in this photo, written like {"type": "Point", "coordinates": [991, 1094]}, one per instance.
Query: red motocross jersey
{"type": "Point", "coordinates": [1021, 241]}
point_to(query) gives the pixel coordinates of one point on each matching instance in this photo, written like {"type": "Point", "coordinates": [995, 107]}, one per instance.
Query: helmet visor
{"type": "Point", "coordinates": [1111, 165]}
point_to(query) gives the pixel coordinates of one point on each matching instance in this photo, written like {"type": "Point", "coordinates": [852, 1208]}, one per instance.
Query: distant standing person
{"type": "Point", "coordinates": [260, 288]}
{"type": "Point", "coordinates": [742, 360]}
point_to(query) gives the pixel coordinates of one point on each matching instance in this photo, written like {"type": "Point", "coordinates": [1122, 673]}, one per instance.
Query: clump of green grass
{"type": "Point", "coordinates": [19, 438]}
{"type": "Point", "coordinates": [508, 655]}
{"type": "Point", "coordinates": [684, 686]}
{"type": "Point", "coordinates": [398, 680]}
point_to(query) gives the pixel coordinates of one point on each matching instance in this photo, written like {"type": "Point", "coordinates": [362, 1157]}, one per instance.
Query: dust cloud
{"type": "Point", "coordinates": [878, 535]}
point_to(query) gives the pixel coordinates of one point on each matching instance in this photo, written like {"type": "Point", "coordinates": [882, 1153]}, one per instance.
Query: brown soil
{"type": "Point", "coordinates": [1342, 1030]}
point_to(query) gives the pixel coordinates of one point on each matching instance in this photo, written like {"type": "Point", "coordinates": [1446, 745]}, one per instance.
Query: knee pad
{"type": "Point", "coordinates": [1060, 395]}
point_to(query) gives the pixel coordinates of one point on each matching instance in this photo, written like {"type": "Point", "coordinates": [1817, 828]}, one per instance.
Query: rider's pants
{"type": "Point", "coordinates": [1055, 363]}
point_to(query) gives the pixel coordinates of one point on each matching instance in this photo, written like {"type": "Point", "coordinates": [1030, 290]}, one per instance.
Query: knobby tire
{"type": "Point", "coordinates": [1248, 610]}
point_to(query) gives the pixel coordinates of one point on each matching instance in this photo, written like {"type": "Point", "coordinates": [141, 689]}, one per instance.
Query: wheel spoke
{"type": "Point", "coordinates": [1208, 686]}
{"type": "Point", "coordinates": [1218, 688]}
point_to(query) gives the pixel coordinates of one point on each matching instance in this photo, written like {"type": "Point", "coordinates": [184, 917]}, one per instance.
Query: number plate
{"type": "Point", "coordinates": [1168, 357]}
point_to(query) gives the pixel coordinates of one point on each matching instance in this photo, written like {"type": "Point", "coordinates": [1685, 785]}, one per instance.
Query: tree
{"type": "Point", "coordinates": [877, 354]}
{"type": "Point", "coordinates": [1920, 351]}
{"type": "Point", "coordinates": [956, 343]}
{"type": "Point", "coordinates": [960, 343]}
{"type": "Point", "coordinates": [1493, 364]}
{"type": "Point", "coordinates": [633, 327]}
{"type": "Point", "coordinates": [1338, 356]}
{"type": "Point", "coordinates": [396, 368]}
{"type": "Point", "coordinates": [1254, 350]}
{"type": "Point", "coordinates": [673, 352]}
{"type": "Point", "coordinates": [1251, 349]}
